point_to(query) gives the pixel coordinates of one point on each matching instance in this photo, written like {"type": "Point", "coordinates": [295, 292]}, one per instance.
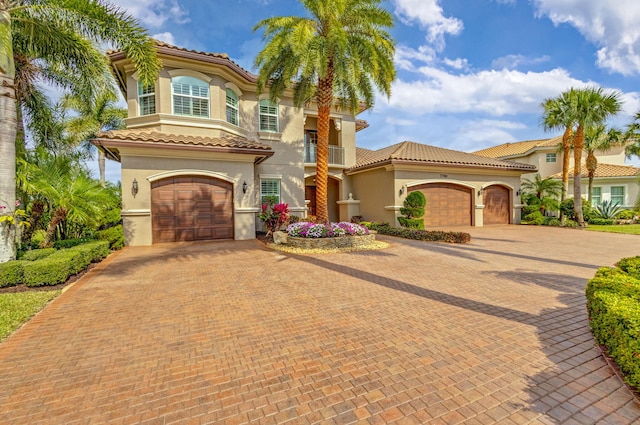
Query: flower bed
{"type": "Point", "coordinates": [308, 235]}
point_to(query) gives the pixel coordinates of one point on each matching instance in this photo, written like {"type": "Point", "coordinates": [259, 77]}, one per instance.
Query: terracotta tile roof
{"type": "Point", "coordinates": [158, 138]}
{"type": "Point", "coordinates": [418, 153]}
{"type": "Point", "coordinates": [361, 125]}
{"type": "Point", "coordinates": [605, 170]}
{"type": "Point", "coordinates": [518, 148]}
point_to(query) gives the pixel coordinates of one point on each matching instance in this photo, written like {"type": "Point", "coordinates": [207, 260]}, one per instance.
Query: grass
{"type": "Point", "coordinates": [629, 229]}
{"type": "Point", "coordinates": [18, 307]}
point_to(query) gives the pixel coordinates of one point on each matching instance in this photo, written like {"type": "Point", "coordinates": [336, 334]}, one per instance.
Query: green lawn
{"type": "Point", "coordinates": [18, 307]}
{"type": "Point", "coordinates": [630, 229]}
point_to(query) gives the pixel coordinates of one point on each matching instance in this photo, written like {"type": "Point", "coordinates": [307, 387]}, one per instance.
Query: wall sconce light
{"type": "Point", "coordinates": [480, 192]}
{"type": "Point", "coordinates": [401, 190]}
{"type": "Point", "coordinates": [134, 187]}
{"type": "Point", "coordinates": [244, 187]}
{"type": "Point", "coordinates": [518, 192]}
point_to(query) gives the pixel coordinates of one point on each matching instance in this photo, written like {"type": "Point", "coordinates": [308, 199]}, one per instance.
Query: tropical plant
{"type": "Point", "coordinates": [65, 34]}
{"type": "Point", "coordinates": [341, 50]}
{"type": "Point", "coordinates": [633, 136]}
{"type": "Point", "coordinates": [559, 114]}
{"type": "Point", "coordinates": [599, 138]}
{"type": "Point", "coordinates": [608, 209]}
{"type": "Point", "coordinates": [593, 107]}
{"type": "Point", "coordinates": [413, 210]}
{"type": "Point", "coordinates": [274, 216]}
{"type": "Point", "coordinates": [542, 193]}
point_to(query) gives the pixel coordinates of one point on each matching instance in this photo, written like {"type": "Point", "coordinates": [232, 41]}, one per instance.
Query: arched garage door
{"type": "Point", "coordinates": [191, 208]}
{"type": "Point", "coordinates": [496, 205]}
{"type": "Point", "coordinates": [447, 204]}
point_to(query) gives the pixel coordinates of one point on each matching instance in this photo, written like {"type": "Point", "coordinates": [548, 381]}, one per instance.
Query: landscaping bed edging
{"type": "Point", "coordinates": [328, 243]}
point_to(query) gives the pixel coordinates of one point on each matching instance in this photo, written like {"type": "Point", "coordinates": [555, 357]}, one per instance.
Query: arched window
{"type": "Point", "coordinates": [232, 107]}
{"type": "Point", "coordinates": [268, 116]}
{"type": "Point", "coordinates": [190, 96]}
{"type": "Point", "coordinates": [146, 99]}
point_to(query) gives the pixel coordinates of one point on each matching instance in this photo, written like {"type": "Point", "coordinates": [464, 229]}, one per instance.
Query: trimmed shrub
{"type": "Point", "coordinates": [114, 235]}
{"type": "Point", "coordinates": [413, 210]}
{"type": "Point", "coordinates": [535, 218]}
{"type": "Point", "coordinates": [11, 273]}
{"type": "Point", "coordinates": [552, 221]}
{"type": "Point", "coordinates": [530, 209]}
{"type": "Point", "coordinates": [424, 235]}
{"type": "Point", "coordinates": [36, 254]}
{"type": "Point", "coordinates": [613, 303]}
{"type": "Point", "coordinates": [69, 243]}
{"type": "Point", "coordinates": [626, 215]}
{"type": "Point", "coordinates": [601, 221]}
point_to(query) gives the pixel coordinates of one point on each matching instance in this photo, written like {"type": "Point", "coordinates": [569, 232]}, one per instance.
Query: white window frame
{"type": "Point", "coordinates": [149, 97]}
{"type": "Point", "coordinates": [595, 203]}
{"type": "Point", "coordinates": [191, 96]}
{"type": "Point", "coordinates": [268, 111]}
{"type": "Point", "coordinates": [613, 202]}
{"type": "Point", "coordinates": [231, 107]}
{"type": "Point", "coordinates": [551, 157]}
{"type": "Point", "coordinates": [276, 184]}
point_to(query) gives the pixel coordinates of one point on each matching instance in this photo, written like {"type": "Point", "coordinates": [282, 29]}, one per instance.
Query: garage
{"type": "Point", "coordinates": [496, 205]}
{"type": "Point", "coordinates": [447, 204]}
{"type": "Point", "coordinates": [191, 208]}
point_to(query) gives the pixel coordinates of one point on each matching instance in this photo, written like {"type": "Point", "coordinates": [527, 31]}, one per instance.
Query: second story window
{"type": "Point", "coordinates": [146, 99]}
{"type": "Point", "coordinates": [268, 116]}
{"type": "Point", "coordinates": [232, 107]}
{"type": "Point", "coordinates": [551, 157]}
{"type": "Point", "coordinates": [190, 97]}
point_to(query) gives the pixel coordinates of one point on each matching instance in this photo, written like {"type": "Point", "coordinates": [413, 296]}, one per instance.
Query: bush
{"type": "Point", "coordinates": [566, 207]}
{"type": "Point", "coordinates": [530, 209]}
{"type": "Point", "coordinates": [411, 223]}
{"type": "Point", "coordinates": [552, 221]}
{"type": "Point", "coordinates": [114, 235]}
{"type": "Point", "coordinates": [69, 243]}
{"type": "Point", "coordinates": [601, 221]}
{"type": "Point", "coordinates": [535, 218]}
{"type": "Point", "coordinates": [36, 254]}
{"type": "Point", "coordinates": [626, 215]}
{"type": "Point", "coordinates": [11, 273]}
{"type": "Point", "coordinates": [413, 210]}
{"type": "Point", "coordinates": [424, 235]}
{"type": "Point", "coordinates": [613, 303]}
{"type": "Point", "coordinates": [37, 238]}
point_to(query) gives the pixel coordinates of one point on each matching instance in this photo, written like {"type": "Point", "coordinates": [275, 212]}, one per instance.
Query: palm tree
{"type": "Point", "coordinates": [602, 139]}
{"type": "Point", "coordinates": [559, 114]}
{"type": "Point", "coordinates": [341, 50]}
{"type": "Point", "coordinates": [633, 136]}
{"type": "Point", "coordinates": [593, 107]}
{"type": "Point", "coordinates": [94, 115]}
{"type": "Point", "coordinates": [65, 32]}
{"type": "Point", "coordinates": [542, 192]}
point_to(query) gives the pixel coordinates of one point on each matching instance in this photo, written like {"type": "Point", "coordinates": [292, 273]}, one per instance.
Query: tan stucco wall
{"type": "Point", "coordinates": [374, 189]}
{"type": "Point", "coordinates": [630, 184]}
{"type": "Point", "coordinates": [138, 164]}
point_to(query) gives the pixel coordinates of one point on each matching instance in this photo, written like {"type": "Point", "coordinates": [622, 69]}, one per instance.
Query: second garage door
{"type": "Point", "coordinates": [447, 204]}
{"type": "Point", "coordinates": [191, 208]}
{"type": "Point", "coordinates": [496, 205]}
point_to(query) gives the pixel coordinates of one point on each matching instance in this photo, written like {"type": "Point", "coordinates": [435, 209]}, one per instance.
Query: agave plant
{"type": "Point", "coordinates": [607, 209]}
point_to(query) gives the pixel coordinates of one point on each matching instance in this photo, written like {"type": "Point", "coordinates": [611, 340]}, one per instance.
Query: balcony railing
{"type": "Point", "coordinates": [336, 154]}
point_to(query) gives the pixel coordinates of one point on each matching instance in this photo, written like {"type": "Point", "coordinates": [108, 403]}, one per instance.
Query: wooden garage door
{"type": "Point", "coordinates": [496, 205]}
{"type": "Point", "coordinates": [191, 208]}
{"type": "Point", "coordinates": [447, 204]}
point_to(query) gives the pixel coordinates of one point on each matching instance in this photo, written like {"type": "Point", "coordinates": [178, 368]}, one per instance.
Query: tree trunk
{"type": "Point", "coordinates": [59, 215]}
{"type": "Point", "coordinates": [592, 165]}
{"type": "Point", "coordinates": [325, 98]}
{"type": "Point", "coordinates": [578, 145]}
{"type": "Point", "coordinates": [101, 166]}
{"type": "Point", "coordinates": [567, 138]}
{"type": "Point", "coordinates": [7, 133]}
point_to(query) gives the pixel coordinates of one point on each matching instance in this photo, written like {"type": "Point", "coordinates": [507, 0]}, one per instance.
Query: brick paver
{"type": "Point", "coordinates": [494, 331]}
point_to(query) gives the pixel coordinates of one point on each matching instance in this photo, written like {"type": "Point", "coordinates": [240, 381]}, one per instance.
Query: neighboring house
{"type": "Point", "coordinates": [613, 180]}
{"type": "Point", "coordinates": [202, 151]}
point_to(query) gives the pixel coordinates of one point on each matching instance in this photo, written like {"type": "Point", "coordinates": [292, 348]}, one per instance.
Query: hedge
{"type": "Point", "coordinates": [114, 235]}
{"type": "Point", "coordinates": [420, 235]}
{"type": "Point", "coordinates": [613, 303]}
{"type": "Point", "coordinates": [11, 273]}
{"type": "Point", "coordinates": [36, 254]}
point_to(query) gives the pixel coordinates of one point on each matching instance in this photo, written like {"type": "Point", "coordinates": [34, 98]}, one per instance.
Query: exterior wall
{"type": "Point", "coordinates": [145, 165]}
{"type": "Point", "coordinates": [630, 184]}
{"type": "Point", "coordinates": [375, 191]}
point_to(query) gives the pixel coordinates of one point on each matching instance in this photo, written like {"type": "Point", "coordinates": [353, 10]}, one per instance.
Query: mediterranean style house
{"type": "Point", "coordinates": [202, 151]}
{"type": "Point", "coordinates": [613, 181]}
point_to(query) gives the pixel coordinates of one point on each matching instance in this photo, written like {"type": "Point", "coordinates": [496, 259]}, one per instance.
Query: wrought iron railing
{"type": "Point", "coordinates": [336, 154]}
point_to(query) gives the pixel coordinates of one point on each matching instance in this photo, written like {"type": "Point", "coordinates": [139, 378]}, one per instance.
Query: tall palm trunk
{"type": "Point", "coordinates": [101, 166]}
{"type": "Point", "coordinates": [566, 164]}
{"type": "Point", "coordinates": [58, 216]}
{"type": "Point", "coordinates": [325, 96]}
{"type": "Point", "coordinates": [7, 134]}
{"type": "Point", "coordinates": [578, 145]}
{"type": "Point", "coordinates": [592, 164]}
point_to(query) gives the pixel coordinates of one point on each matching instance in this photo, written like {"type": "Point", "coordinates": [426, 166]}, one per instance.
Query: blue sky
{"type": "Point", "coordinates": [471, 73]}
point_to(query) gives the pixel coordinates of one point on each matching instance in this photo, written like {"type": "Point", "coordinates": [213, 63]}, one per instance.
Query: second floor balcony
{"type": "Point", "coordinates": [336, 154]}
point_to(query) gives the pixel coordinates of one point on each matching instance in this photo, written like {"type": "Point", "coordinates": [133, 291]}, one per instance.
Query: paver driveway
{"type": "Point", "coordinates": [229, 332]}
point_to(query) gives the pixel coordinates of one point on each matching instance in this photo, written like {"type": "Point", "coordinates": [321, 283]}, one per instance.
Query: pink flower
{"type": "Point", "coordinates": [17, 203]}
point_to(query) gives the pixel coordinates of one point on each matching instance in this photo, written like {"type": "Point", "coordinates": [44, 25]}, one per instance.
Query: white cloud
{"type": "Point", "coordinates": [496, 93]}
{"type": "Point", "coordinates": [399, 121]}
{"type": "Point", "coordinates": [406, 56]}
{"type": "Point", "coordinates": [429, 15]}
{"type": "Point", "coordinates": [460, 64]}
{"type": "Point", "coordinates": [167, 37]}
{"type": "Point", "coordinates": [478, 134]}
{"type": "Point", "coordinates": [611, 25]}
{"type": "Point", "coordinates": [514, 61]}
{"type": "Point", "coordinates": [154, 13]}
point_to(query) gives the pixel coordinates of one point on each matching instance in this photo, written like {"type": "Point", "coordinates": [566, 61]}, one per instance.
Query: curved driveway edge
{"type": "Point", "coordinates": [494, 331]}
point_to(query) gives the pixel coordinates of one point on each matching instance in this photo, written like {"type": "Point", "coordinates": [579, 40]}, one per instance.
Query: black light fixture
{"type": "Point", "coordinates": [134, 187]}
{"type": "Point", "coordinates": [518, 192]}
{"type": "Point", "coordinates": [480, 192]}
{"type": "Point", "coordinates": [244, 187]}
